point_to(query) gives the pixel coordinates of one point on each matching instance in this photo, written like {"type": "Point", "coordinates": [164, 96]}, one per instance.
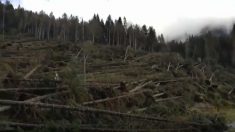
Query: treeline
{"type": "Point", "coordinates": [70, 28]}
{"type": "Point", "coordinates": [215, 46]}
{"type": "Point", "coordinates": [212, 46]}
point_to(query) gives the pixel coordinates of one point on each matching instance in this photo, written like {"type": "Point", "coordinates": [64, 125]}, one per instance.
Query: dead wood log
{"type": "Point", "coordinates": [178, 67]}
{"type": "Point", "coordinates": [89, 110]}
{"type": "Point", "coordinates": [167, 99]}
{"type": "Point", "coordinates": [203, 69]}
{"type": "Point", "coordinates": [25, 89]}
{"type": "Point", "coordinates": [88, 127]}
{"type": "Point", "coordinates": [173, 80]}
{"type": "Point", "coordinates": [159, 100]}
{"type": "Point", "coordinates": [4, 108]}
{"type": "Point", "coordinates": [140, 86]}
{"type": "Point", "coordinates": [35, 99]}
{"type": "Point", "coordinates": [211, 77]}
{"type": "Point", "coordinates": [126, 53]}
{"type": "Point", "coordinates": [199, 86]}
{"type": "Point", "coordinates": [118, 64]}
{"type": "Point", "coordinates": [31, 72]}
{"type": "Point", "coordinates": [19, 91]}
{"type": "Point", "coordinates": [33, 80]}
{"type": "Point", "coordinates": [157, 82]}
{"type": "Point", "coordinates": [158, 95]}
{"type": "Point", "coordinates": [79, 52]}
{"type": "Point", "coordinates": [115, 98]}
{"type": "Point", "coordinates": [230, 92]}
{"type": "Point", "coordinates": [28, 125]}
{"type": "Point", "coordinates": [138, 110]}
{"type": "Point", "coordinates": [169, 65]}
{"type": "Point", "coordinates": [38, 98]}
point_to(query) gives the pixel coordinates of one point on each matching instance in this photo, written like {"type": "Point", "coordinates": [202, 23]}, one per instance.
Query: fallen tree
{"type": "Point", "coordinates": [26, 89]}
{"type": "Point", "coordinates": [93, 110]}
{"type": "Point", "coordinates": [38, 98]}
{"type": "Point", "coordinates": [140, 86]}
{"type": "Point", "coordinates": [90, 127]}
{"type": "Point", "coordinates": [31, 72]}
{"type": "Point", "coordinates": [167, 99]}
{"type": "Point", "coordinates": [115, 98]}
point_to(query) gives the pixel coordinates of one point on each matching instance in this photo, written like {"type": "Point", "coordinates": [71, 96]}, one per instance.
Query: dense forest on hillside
{"type": "Point", "coordinates": [70, 28]}
{"type": "Point", "coordinates": [212, 45]}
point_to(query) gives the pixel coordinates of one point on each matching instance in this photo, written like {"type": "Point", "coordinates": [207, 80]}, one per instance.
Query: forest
{"type": "Point", "coordinates": [67, 74]}
{"type": "Point", "coordinates": [211, 45]}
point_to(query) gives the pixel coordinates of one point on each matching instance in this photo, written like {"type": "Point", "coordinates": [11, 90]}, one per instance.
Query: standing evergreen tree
{"type": "Point", "coordinates": [233, 46]}
{"type": "Point", "coordinates": [95, 27]}
{"type": "Point", "coordinates": [151, 39]}
{"type": "Point", "coordinates": [119, 30]}
{"type": "Point", "coordinates": [109, 26]}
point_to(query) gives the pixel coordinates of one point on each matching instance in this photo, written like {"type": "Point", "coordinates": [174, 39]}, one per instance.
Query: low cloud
{"type": "Point", "coordinates": [184, 27]}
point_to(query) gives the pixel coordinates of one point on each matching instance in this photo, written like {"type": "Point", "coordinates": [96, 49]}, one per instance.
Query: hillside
{"type": "Point", "coordinates": [66, 86]}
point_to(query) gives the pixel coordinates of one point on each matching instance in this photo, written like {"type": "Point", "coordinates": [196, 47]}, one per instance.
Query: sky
{"type": "Point", "coordinates": [173, 18]}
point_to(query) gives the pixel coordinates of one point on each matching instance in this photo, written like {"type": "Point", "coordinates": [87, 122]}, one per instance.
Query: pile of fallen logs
{"type": "Point", "coordinates": [137, 91]}
{"type": "Point", "coordinates": [111, 107]}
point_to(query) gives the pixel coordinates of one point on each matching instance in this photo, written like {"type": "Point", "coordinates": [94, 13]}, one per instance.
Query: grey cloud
{"type": "Point", "coordinates": [185, 26]}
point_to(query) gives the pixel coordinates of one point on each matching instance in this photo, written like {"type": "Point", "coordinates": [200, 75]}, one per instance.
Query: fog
{"type": "Point", "coordinates": [185, 27]}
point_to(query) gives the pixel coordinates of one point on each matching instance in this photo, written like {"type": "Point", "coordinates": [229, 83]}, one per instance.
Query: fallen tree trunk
{"type": "Point", "coordinates": [231, 91]}
{"type": "Point", "coordinates": [31, 72]}
{"type": "Point", "coordinates": [90, 127]}
{"type": "Point", "coordinates": [24, 89]}
{"type": "Point", "coordinates": [159, 94]}
{"type": "Point", "coordinates": [4, 108]}
{"type": "Point", "coordinates": [159, 100]}
{"type": "Point", "coordinates": [140, 86]}
{"type": "Point", "coordinates": [166, 99]}
{"type": "Point", "coordinates": [114, 98]}
{"type": "Point", "coordinates": [33, 80]}
{"type": "Point", "coordinates": [90, 110]}
{"type": "Point", "coordinates": [38, 98]}
{"type": "Point", "coordinates": [126, 53]}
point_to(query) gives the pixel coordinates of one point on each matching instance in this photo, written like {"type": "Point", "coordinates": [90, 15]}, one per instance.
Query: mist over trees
{"type": "Point", "coordinates": [212, 46]}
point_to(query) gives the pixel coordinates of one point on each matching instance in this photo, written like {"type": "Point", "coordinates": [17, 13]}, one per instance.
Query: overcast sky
{"type": "Point", "coordinates": [170, 17]}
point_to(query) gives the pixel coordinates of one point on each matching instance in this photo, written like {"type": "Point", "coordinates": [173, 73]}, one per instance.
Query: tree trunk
{"type": "Point", "coordinates": [109, 37]}
{"type": "Point", "coordinates": [76, 34]}
{"type": "Point", "coordinates": [48, 31]}
{"type": "Point", "coordinates": [3, 23]}
{"type": "Point", "coordinates": [83, 32]}
{"type": "Point", "coordinates": [93, 38]}
{"type": "Point", "coordinates": [118, 38]}
{"type": "Point", "coordinates": [135, 46]}
{"type": "Point", "coordinates": [84, 67]}
{"type": "Point", "coordinates": [113, 38]}
{"type": "Point", "coordinates": [233, 54]}
{"type": "Point", "coordinates": [85, 109]}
